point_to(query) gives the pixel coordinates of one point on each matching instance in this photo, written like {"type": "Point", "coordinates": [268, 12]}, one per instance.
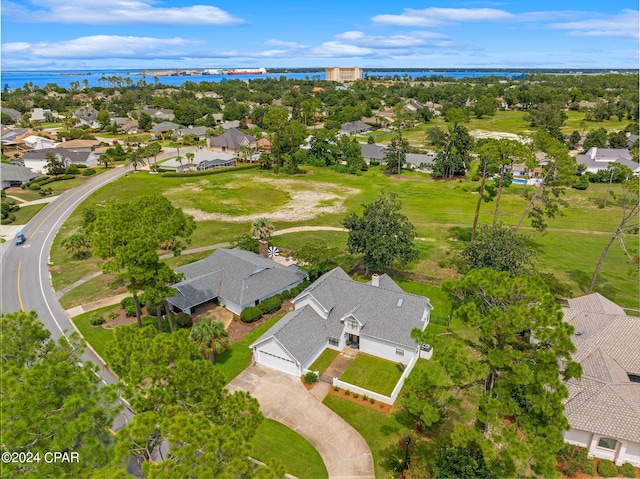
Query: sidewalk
{"type": "Point", "coordinates": [100, 303]}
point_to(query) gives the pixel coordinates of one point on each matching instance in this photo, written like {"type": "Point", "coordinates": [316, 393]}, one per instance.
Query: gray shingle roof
{"type": "Point", "coordinates": [239, 276]}
{"type": "Point", "coordinates": [599, 158]}
{"type": "Point", "coordinates": [231, 139]}
{"type": "Point", "coordinates": [73, 157]}
{"type": "Point", "coordinates": [303, 331]}
{"type": "Point", "coordinates": [604, 401]}
{"type": "Point", "coordinates": [373, 151]}
{"type": "Point", "coordinates": [165, 126]}
{"type": "Point", "coordinates": [9, 172]}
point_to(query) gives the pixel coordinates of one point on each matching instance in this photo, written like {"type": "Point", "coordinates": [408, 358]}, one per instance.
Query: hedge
{"type": "Point", "coordinates": [250, 314]}
{"type": "Point", "coordinates": [88, 172]}
{"type": "Point", "coordinates": [49, 179]}
{"type": "Point", "coordinates": [216, 171]}
{"type": "Point", "coordinates": [271, 305]}
{"type": "Point", "coordinates": [607, 469]}
{"type": "Point", "coordinates": [183, 320]}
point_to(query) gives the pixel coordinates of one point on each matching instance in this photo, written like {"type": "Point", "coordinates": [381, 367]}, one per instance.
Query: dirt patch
{"type": "Point", "coordinates": [238, 329]}
{"type": "Point", "coordinates": [308, 199]}
{"type": "Point", "coordinates": [215, 312]}
{"type": "Point", "coordinates": [120, 319]}
{"type": "Point", "coordinates": [377, 406]}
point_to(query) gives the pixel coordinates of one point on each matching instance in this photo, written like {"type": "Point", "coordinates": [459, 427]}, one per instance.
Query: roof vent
{"type": "Point", "coordinates": [578, 333]}
{"type": "Point", "coordinates": [400, 301]}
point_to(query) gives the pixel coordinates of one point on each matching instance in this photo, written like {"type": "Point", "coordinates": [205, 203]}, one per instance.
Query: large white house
{"type": "Point", "coordinates": [376, 317]}
{"type": "Point", "coordinates": [597, 159]}
{"type": "Point", "coordinates": [36, 160]}
{"type": "Point", "coordinates": [603, 407]}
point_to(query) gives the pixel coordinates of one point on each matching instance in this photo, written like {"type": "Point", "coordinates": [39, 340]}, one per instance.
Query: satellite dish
{"type": "Point", "coordinates": [272, 251]}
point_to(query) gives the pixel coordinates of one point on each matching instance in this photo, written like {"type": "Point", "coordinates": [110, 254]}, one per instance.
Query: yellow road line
{"type": "Point", "coordinates": [19, 295]}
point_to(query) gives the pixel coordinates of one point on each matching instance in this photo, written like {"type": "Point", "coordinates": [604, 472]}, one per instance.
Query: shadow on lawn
{"type": "Point", "coordinates": [602, 285]}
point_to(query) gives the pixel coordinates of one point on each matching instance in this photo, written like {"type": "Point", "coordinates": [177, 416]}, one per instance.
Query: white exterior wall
{"type": "Point", "coordinates": [233, 307]}
{"type": "Point", "coordinates": [36, 165]}
{"type": "Point", "coordinates": [632, 454]}
{"type": "Point", "coordinates": [577, 437]}
{"type": "Point", "coordinates": [626, 451]}
{"type": "Point", "coordinates": [271, 354]}
{"type": "Point", "coordinates": [386, 350]}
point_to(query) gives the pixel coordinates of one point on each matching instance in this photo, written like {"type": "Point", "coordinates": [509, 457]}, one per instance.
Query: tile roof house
{"type": "Point", "coordinates": [377, 317]}
{"type": "Point", "coordinates": [36, 160]}
{"type": "Point", "coordinates": [15, 175]}
{"type": "Point", "coordinates": [231, 141]}
{"type": "Point", "coordinates": [235, 277]}
{"type": "Point", "coordinates": [596, 159]}
{"type": "Point", "coordinates": [603, 407]}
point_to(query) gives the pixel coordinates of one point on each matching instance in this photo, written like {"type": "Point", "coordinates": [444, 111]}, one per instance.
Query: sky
{"type": "Point", "coordinates": [132, 34]}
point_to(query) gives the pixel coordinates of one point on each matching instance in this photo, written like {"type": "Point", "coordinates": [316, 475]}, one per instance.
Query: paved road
{"type": "Point", "coordinates": [26, 283]}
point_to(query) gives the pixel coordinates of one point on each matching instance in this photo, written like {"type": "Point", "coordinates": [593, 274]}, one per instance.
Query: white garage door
{"type": "Point", "coordinates": [277, 362]}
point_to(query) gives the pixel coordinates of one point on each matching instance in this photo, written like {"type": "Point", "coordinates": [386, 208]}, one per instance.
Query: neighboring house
{"type": "Point", "coordinates": [420, 161]}
{"type": "Point", "coordinates": [228, 125]}
{"type": "Point", "coordinates": [235, 277]}
{"type": "Point", "coordinates": [200, 132]}
{"type": "Point", "coordinates": [631, 139]}
{"type": "Point", "coordinates": [231, 141]}
{"type": "Point", "coordinates": [164, 127]}
{"type": "Point", "coordinates": [79, 145]}
{"type": "Point", "coordinates": [336, 311]}
{"type": "Point", "coordinates": [263, 144]}
{"type": "Point", "coordinates": [603, 407]}
{"type": "Point", "coordinates": [87, 116]}
{"type": "Point", "coordinates": [40, 114]}
{"type": "Point", "coordinates": [354, 128]}
{"type": "Point", "coordinates": [15, 115]}
{"type": "Point", "coordinates": [36, 160]}
{"type": "Point", "coordinates": [203, 160]}
{"type": "Point", "coordinates": [34, 142]}
{"type": "Point", "coordinates": [130, 127]}
{"type": "Point", "coordinates": [15, 175]}
{"type": "Point", "coordinates": [373, 152]}
{"type": "Point", "coordinates": [11, 137]}
{"type": "Point", "coordinates": [158, 114]}
{"type": "Point", "coordinates": [414, 105]}
{"type": "Point", "coordinates": [218, 118]}
{"type": "Point", "coordinates": [597, 159]}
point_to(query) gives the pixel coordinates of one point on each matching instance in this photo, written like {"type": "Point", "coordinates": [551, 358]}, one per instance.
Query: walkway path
{"type": "Point", "coordinates": [283, 398]}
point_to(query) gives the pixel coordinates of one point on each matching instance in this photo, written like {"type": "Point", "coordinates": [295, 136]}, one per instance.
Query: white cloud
{"type": "Point", "coordinates": [282, 43]}
{"type": "Point", "coordinates": [434, 16]}
{"type": "Point", "coordinates": [116, 12]}
{"type": "Point", "coordinates": [99, 46]}
{"type": "Point", "coordinates": [341, 50]}
{"type": "Point", "coordinates": [393, 41]}
{"type": "Point", "coordinates": [623, 25]}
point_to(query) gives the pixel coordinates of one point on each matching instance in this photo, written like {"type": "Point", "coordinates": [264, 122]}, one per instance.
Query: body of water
{"type": "Point", "coordinates": [91, 78]}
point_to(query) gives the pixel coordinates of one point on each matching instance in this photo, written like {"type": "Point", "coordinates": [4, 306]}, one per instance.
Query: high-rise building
{"type": "Point", "coordinates": [344, 75]}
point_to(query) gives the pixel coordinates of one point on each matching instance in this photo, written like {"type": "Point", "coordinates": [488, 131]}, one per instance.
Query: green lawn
{"type": "Point", "coordinates": [274, 440]}
{"type": "Point", "coordinates": [324, 360]}
{"type": "Point", "coordinates": [26, 213]}
{"type": "Point", "coordinates": [103, 286]}
{"type": "Point", "coordinates": [372, 373]}
{"type": "Point", "coordinates": [238, 356]}
{"type": "Point", "coordinates": [96, 336]}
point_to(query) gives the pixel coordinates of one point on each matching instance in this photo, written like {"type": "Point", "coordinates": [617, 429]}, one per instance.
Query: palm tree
{"type": "Point", "coordinates": [262, 228]}
{"type": "Point", "coordinates": [134, 158]}
{"type": "Point", "coordinates": [212, 338]}
{"type": "Point", "coordinates": [190, 156]}
{"type": "Point", "coordinates": [179, 160]}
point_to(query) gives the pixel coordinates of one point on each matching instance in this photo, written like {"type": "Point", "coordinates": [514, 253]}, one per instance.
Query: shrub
{"type": "Point", "coordinates": [365, 397]}
{"type": "Point", "coordinates": [88, 172]}
{"type": "Point", "coordinates": [347, 392]}
{"type": "Point", "coordinates": [72, 170]}
{"type": "Point", "coordinates": [372, 401]}
{"type": "Point", "coordinates": [310, 378]}
{"type": "Point", "coordinates": [271, 305]}
{"type": "Point", "coordinates": [286, 295]}
{"type": "Point", "coordinates": [250, 314]}
{"type": "Point", "coordinates": [34, 186]}
{"type": "Point", "coordinates": [152, 309]}
{"type": "Point", "coordinates": [627, 470]}
{"type": "Point", "coordinates": [356, 395]}
{"type": "Point", "coordinates": [589, 467]}
{"type": "Point", "coordinates": [183, 320]}
{"type": "Point", "coordinates": [129, 306]}
{"type": "Point", "coordinates": [574, 458]}
{"type": "Point", "coordinates": [96, 319]}
{"type": "Point", "coordinates": [112, 315]}
{"type": "Point", "coordinates": [336, 388]}
{"type": "Point", "coordinates": [607, 469]}
{"type": "Point", "coordinates": [461, 233]}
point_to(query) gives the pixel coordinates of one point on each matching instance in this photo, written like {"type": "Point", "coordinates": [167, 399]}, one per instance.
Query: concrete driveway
{"type": "Point", "coordinates": [283, 398]}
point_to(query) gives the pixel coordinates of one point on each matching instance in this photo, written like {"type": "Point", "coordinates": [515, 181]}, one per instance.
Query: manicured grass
{"type": "Point", "coordinates": [438, 298]}
{"type": "Point", "coordinates": [324, 360]}
{"type": "Point", "coordinates": [237, 357]}
{"type": "Point", "coordinates": [27, 195]}
{"type": "Point", "coordinates": [177, 261]}
{"type": "Point", "coordinates": [63, 185]}
{"type": "Point", "coordinates": [372, 373]}
{"type": "Point", "coordinates": [26, 213]}
{"type": "Point", "coordinates": [103, 286]}
{"type": "Point", "coordinates": [380, 431]}
{"type": "Point", "coordinates": [96, 336]}
{"type": "Point", "coordinates": [274, 440]}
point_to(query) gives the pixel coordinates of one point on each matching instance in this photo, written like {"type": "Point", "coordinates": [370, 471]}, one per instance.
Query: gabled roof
{"type": "Point", "coordinates": [373, 151]}
{"type": "Point", "coordinates": [599, 158]}
{"type": "Point", "coordinates": [164, 126]}
{"type": "Point", "coordinates": [78, 144]}
{"type": "Point", "coordinates": [75, 157]}
{"type": "Point", "coordinates": [10, 172]}
{"type": "Point", "coordinates": [232, 139]}
{"type": "Point", "coordinates": [604, 401]}
{"type": "Point", "coordinates": [239, 276]}
{"type": "Point", "coordinates": [355, 127]}
{"type": "Point", "coordinates": [303, 331]}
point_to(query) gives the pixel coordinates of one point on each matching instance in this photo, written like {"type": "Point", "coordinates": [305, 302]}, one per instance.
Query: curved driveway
{"type": "Point", "coordinates": [283, 398]}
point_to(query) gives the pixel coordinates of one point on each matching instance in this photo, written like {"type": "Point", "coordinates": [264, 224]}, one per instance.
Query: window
{"type": "Point", "coordinates": [352, 323]}
{"type": "Point", "coordinates": [400, 352]}
{"type": "Point", "coordinates": [333, 342]}
{"type": "Point", "coordinates": [607, 443]}
{"type": "Point", "coordinates": [634, 378]}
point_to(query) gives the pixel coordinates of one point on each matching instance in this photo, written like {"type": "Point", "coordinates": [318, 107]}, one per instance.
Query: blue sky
{"type": "Point", "coordinates": [105, 34]}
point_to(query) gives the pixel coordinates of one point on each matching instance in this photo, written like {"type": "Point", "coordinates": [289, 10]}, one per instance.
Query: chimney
{"type": "Point", "coordinates": [263, 248]}
{"type": "Point", "coordinates": [375, 280]}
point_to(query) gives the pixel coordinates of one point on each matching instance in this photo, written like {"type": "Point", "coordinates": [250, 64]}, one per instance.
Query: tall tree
{"type": "Point", "coordinates": [54, 166]}
{"type": "Point", "coordinates": [382, 234]}
{"type": "Point", "coordinates": [211, 336]}
{"type": "Point", "coordinates": [396, 153]}
{"type": "Point", "coordinates": [51, 401]}
{"type": "Point", "coordinates": [628, 223]}
{"type": "Point", "coordinates": [512, 361]}
{"type": "Point", "coordinates": [454, 159]}
{"type": "Point", "coordinates": [129, 234]}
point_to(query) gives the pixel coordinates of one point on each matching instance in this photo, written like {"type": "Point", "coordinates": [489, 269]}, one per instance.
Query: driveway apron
{"type": "Point", "coordinates": [283, 398]}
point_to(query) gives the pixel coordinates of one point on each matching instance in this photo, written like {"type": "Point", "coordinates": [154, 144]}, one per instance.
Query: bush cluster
{"type": "Point", "coordinates": [607, 469]}
{"type": "Point", "coordinates": [250, 314]}
{"type": "Point", "coordinates": [129, 306]}
{"type": "Point", "coordinates": [96, 319]}
{"type": "Point", "coordinates": [88, 172]}
{"type": "Point", "coordinates": [627, 470]}
{"type": "Point", "coordinates": [270, 305]}
{"type": "Point", "coordinates": [574, 459]}
{"type": "Point", "coordinates": [310, 378]}
{"type": "Point", "coordinates": [183, 320]}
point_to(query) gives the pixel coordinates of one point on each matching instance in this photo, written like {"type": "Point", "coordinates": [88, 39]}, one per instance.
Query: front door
{"type": "Point", "coordinates": [354, 340]}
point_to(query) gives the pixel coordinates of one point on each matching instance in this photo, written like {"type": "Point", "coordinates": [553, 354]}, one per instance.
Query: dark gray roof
{"type": "Point", "coordinates": [86, 113]}
{"type": "Point", "coordinates": [373, 151]}
{"type": "Point", "coordinates": [9, 172]}
{"type": "Point", "coordinates": [195, 130]}
{"type": "Point", "coordinates": [165, 126]}
{"type": "Point", "coordinates": [232, 139]}
{"type": "Point", "coordinates": [355, 127]}
{"type": "Point", "coordinates": [600, 158]}
{"type": "Point", "coordinates": [75, 157]}
{"type": "Point", "coordinates": [419, 159]}
{"type": "Point", "coordinates": [303, 331]}
{"type": "Point", "coordinates": [239, 276]}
